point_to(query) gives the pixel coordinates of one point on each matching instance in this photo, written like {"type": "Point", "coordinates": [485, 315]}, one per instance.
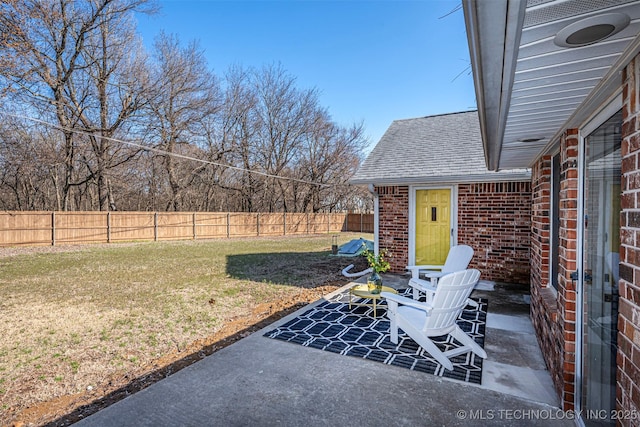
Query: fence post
{"type": "Point", "coordinates": [284, 223]}
{"type": "Point", "coordinates": [307, 222]}
{"type": "Point", "coordinates": [329, 224]}
{"type": "Point", "coordinates": [108, 227]}
{"type": "Point", "coordinates": [228, 225]}
{"type": "Point", "coordinates": [194, 226]}
{"type": "Point", "coordinates": [155, 226]}
{"type": "Point", "coordinates": [258, 223]}
{"type": "Point", "coordinates": [53, 228]}
{"type": "Point", "coordinates": [361, 222]}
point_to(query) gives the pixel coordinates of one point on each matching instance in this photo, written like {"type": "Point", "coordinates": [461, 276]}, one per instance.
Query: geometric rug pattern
{"type": "Point", "coordinates": [333, 326]}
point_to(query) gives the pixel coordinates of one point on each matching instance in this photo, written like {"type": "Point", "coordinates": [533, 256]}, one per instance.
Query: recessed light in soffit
{"type": "Point", "coordinates": [535, 139]}
{"type": "Point", "coordinates": [591, 30]}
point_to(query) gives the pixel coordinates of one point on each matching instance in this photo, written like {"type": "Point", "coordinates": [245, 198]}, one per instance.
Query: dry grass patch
{"type": "Point", "coordinates": [86, 320]}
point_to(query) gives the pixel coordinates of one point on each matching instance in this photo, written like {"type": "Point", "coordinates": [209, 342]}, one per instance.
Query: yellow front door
{"type": "Point", "coordinates": [433, 226]}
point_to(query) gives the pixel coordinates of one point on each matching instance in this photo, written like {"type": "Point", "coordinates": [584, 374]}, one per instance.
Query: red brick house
{"type": "Point", "coordinates": [558, 85]}
{"type": "Point", "coordinates": [558, 91]}
{"type": "Point", "coordinates": [433, 190]}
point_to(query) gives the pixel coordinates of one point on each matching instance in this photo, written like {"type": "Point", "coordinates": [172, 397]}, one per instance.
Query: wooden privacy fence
{"type": "Point", "coordinates": [52, 228]}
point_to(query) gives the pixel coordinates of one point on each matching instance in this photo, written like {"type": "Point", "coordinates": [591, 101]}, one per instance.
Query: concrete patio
{"type": "Point", "coordinates": [262, 381]}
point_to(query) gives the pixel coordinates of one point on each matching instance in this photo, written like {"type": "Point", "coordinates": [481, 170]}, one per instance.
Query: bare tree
{"type": "Point", "coordinates": [30, 156]}
{"type": "Point", "coordinates": [108, 96]}
{"type": "Point", "coordinates": [260, 143]}
{"type": "Point", "coordinates": [329, 158]}
{"type": "Point", "coordinates": [185, 94]}
{"type": "Point", "coordinates": [50, 39]}
{"type": "Point", "coordinates": [285, 115]}
{"type": "Point", "coordinates": [10, 36]}
{"type": "Point", "coordinates": [237, 131]}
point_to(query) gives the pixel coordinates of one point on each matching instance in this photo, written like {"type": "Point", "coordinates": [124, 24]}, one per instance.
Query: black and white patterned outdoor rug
{"type": "Point", "coordinates": [333, 326]}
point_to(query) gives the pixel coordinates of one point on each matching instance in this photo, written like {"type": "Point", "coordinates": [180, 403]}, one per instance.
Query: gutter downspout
{"type": "Point", "coordinates": [376, 230]}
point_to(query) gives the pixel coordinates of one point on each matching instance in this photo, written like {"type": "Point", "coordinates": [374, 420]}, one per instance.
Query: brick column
{"type": "Point", "coordinates": [554, 314]}
{"type": "Point", "coordinates": [540, 221]}
{"type": "Point", "coordinates": [544, 299]}
{"type": "Point", "coordinates": [568, 263]}
{"type": "Point", "coordinates": [628, 358]}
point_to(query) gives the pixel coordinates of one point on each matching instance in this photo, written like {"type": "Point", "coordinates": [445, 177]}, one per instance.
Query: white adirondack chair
{"type": "Point", "coordinates": [422, 320]}
{"type": "Point", "coordinates": [458, 259]}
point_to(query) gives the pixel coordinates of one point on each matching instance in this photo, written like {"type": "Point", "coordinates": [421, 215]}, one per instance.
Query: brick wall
{"type": "Point", "coordinates": [493, 218]}
{"type": "Point", "coordinates": [568, 256]}
{"type": "Point", "coordinates": [393, 231]}
{"type": "Point", "coordinates": [628, 358]}
{"type": "Point", "coordinates": [540, 221]}
{"type": "Point", "coordinates": [544, 301]}
{"type": "Point", "coordinates": [553, 313]}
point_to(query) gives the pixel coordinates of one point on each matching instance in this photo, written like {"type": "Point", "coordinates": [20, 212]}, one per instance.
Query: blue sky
{"type": "Point", "coordinates": [371, 61]}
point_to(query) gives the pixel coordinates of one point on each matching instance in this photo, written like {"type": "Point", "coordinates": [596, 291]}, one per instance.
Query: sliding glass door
{"type": "Point", "coordinates": [601, 243]}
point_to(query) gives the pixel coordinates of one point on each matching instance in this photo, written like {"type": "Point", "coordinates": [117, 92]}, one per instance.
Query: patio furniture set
{"type": "Point", "coordinates": [446, 289]}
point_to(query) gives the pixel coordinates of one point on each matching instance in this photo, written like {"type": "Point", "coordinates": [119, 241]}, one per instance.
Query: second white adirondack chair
{"type": "Point", "coordinates": [458, 259]}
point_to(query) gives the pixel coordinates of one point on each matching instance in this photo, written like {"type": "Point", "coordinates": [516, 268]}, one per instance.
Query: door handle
{"type": "Point", "coordinates": [587, 276]}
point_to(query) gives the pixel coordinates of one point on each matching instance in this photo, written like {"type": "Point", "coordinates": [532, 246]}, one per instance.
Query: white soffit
{"type": "Point", "coordinates": [550, 82]}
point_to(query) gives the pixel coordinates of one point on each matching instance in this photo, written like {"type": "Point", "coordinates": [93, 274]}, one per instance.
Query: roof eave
{"type": "Point", "coordinates": [493, 31]}
{"type": "Point", "coordinates": [453, 179]}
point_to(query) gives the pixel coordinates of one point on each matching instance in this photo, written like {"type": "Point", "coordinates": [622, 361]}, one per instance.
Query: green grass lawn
{"type": "Point", "coordinates": [74, 318]}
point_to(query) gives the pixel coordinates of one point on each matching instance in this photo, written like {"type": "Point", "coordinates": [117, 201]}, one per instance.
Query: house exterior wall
{"type": "Point", "coordinates": [628, 360]}
{"type": "Point", "coordinates": [544, 301]}
{"type": "Point", "coordinates": [554, 313]}
{"type": "Point", "coordinates": [493, 218]}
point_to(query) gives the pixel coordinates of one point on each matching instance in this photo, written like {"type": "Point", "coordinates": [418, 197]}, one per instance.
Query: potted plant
{"type": "Point", "coordinates": [378, 264]}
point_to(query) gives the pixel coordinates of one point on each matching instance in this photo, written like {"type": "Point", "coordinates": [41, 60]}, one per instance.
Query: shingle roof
{"type": "Point", "coordinates": [441, 148]}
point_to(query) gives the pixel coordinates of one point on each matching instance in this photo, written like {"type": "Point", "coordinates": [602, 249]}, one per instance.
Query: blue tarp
{"type": "Point", "coordinates": [355, 247]}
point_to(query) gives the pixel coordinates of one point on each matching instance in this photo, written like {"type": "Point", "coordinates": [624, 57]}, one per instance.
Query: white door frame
{"type": "Point", "coordinates": [602, 115]}
{"type": "Point", "coordinates": [412, 215]}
